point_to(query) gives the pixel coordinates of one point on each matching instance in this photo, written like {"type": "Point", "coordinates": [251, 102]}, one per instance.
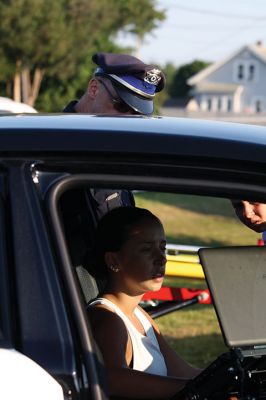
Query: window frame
{"type": "Point", "coordinates": [7, 339]}
{"type": "Point", "coordinates": [150, 180]}
{"type": "Point", "coordinates": [246, 64]}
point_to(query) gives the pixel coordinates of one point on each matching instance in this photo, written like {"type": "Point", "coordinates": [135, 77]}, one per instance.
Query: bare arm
{"type": "Point", "coordinates": [112, 338]}
{"type": "Point", "coordinates": [141, 385]}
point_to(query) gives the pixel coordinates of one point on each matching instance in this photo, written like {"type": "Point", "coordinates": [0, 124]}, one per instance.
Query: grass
{"type": "Point", "coordinates": [197, 220]}
{"type": "Point", "coordinates": [194, 332]}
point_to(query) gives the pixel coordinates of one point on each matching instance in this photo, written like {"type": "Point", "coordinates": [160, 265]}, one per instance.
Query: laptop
{"type": "Point", "coordinates": [236, 277]}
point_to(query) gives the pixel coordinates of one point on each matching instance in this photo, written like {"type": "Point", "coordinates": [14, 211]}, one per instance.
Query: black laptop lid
{"type": "Point", "coordinates": [236, 277]}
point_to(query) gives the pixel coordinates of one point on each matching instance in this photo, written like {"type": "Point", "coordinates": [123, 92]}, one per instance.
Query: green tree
{"type": "Point", "coordinates": [179, 86]}
{"type": "Point", "coordinates": [169, 70]}
{"type": "Point", "coordinates": [140, 18]}
{"type": "Point", "coordinates": [30, 39]}
{"type": "Point", "coordinates": [49, 40]}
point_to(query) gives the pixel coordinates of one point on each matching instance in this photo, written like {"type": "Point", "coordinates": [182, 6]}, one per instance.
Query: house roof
{"type": "Point", "coordinates": [213, 87]}
{"type": "Point", "coordinates": [258, 50]}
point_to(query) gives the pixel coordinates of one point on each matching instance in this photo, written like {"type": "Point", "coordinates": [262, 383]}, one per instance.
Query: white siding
{"type": "Point", "coordinates": [253, 81]}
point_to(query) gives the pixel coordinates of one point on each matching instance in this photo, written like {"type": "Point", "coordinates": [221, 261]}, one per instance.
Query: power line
{"type": "Point", "coordinates": [234, 32]}
{"type": "Point", "coordinates": [218, 14]}
{"type": "Point", "coordinates": [223, 39]}
{"type": "Point", "coordinates": [208, 28]}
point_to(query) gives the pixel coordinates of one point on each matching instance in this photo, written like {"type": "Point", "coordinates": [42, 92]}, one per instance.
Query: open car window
{"type": "Point", "coordinates": [191, 222]}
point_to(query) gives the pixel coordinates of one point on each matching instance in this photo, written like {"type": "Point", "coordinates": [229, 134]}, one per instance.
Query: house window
{"type": "Point", "coordinates": [229, 105]}
{"type": "Point", "coordinates": [209, 104]}
{"type": "Point", "coordinates": [240, 72]}
{"type": "Point", "coordinates": [251, 72]}
{"type": "Point", "coordinates": [258, 104]}
{"type": "Point", "coordinates": [219, 104]}
{"type": "Point", "coordinates": [246, 70]}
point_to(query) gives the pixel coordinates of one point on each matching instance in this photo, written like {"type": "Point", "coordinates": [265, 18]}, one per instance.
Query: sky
{"type": "Point", "coordinates": [208, 30]}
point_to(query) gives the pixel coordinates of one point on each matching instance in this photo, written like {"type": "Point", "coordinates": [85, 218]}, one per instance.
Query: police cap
{"type": "Point", "coordinates": [135, 82]}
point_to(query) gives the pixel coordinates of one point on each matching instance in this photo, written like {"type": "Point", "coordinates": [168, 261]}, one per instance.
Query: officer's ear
{"type": "Point", "coordinates": [93, 88]}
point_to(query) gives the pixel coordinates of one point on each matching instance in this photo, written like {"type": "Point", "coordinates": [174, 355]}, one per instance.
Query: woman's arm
{"type": "Point", "coordinates": [112, 338]}
{"type": "Point", "coordinates": [176, 366]}
{"type": "Point", "coordinates": [129, 383]}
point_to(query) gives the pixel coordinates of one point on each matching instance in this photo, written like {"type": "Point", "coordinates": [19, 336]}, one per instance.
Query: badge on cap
{"type": "Point", "coordinates": [153, 76]}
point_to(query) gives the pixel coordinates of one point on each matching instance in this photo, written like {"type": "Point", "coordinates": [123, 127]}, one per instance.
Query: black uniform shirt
{"type": "Point", "coordinates": [70, 107]}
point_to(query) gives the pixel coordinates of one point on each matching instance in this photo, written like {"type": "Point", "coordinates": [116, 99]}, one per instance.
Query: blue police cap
{"type": "Point", "coordinates": [134, 81]}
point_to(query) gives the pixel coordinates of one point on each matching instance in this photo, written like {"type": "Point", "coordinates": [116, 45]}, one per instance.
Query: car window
{"type": "Point", "coordinates": [197, 220]}
{"type": "Point", "coordinates": [191, 222]}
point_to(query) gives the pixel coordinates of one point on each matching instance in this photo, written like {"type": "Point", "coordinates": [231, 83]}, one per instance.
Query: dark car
{"type": "Point", "coordinates": [49, 165]}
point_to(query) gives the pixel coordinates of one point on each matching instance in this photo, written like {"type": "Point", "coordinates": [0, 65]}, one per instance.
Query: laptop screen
{"type": "Point", "coordinates": [236, 277]}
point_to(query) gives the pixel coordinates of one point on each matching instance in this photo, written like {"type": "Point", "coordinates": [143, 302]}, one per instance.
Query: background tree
{"type": "Point", "coordinates": [50, 42]}
{"type": "Point", "coordinates": [142, 18]}
{"type": "Point", "coordinates": [179, 86]}
{"type": "Point", "coordinates": [30, 35]}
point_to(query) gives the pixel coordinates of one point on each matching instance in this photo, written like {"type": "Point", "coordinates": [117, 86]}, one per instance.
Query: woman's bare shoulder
{"type": "Point", "coordinates": [101, 316]}
{"type": "Point", "coordinates": [111, 335]}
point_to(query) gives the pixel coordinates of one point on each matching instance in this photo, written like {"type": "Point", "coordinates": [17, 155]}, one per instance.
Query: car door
{"type": "Point", "coordinates": [72, 217]}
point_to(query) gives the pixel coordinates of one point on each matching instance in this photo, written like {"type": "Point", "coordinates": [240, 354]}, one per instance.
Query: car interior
{"type": "Point", "coordinates": [74, 218]}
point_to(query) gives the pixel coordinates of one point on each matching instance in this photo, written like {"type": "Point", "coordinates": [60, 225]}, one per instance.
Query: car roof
{"type": "Point", "coordinates": [127, 134]}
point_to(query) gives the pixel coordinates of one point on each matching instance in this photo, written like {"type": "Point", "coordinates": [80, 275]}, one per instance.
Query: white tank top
{"type": "Point", "coordinates": [147, 355]}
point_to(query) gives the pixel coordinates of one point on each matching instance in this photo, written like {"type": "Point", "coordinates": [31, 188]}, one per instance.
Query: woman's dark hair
{"type": "Point", "coordinates": [113, 231]}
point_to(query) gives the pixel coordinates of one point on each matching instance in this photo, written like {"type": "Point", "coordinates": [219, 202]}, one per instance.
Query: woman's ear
{"type": "Point", "coordinates": [111, 261]}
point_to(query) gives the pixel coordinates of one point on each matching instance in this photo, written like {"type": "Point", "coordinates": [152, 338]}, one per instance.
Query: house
{"type": "Point", "coordinates": [236, 84]}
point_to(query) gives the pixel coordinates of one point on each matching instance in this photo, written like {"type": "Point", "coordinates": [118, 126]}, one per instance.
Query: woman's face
{"type": "Point", "coordinates": [142, 259]}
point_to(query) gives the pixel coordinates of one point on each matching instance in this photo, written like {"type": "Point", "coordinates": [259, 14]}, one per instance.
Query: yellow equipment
{"type": "Point", "coordinates": [183, 261]}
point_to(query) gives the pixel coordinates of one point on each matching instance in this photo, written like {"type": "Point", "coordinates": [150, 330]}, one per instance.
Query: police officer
{"type": "Point", "coordinates": [252, 214]}
{"type": "Point", "coordinates": [122, 84]}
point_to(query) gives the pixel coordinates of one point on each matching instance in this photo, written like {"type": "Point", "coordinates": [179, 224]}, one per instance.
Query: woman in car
{"type": "Point", "coordinates": [130, 252]}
